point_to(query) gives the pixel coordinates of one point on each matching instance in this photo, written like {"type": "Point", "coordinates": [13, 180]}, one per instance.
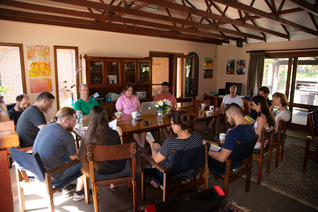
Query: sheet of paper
{"type": "Point", "coordinates": [113, 124]}
{"type": "Point", "coordinates": [96, 95]}
{"type": "Point", "coordinates": [215, 147]}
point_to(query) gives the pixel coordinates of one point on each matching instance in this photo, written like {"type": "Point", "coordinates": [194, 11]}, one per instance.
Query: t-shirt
{"type": "Point", "coordinates": [111, 137]}
{"type": "Point", "coordinates": [53, 143]}
{"type": "Point", "coordinates": [228, 100]}
{"type": "Point", "coordinates": [254, 114]}
{"type": "Point", "coordinates": [84, 106]}
{"type": "Point", "coordinates": [284, 113]}
{"type": "Point", "coordinates": [170, 144]}
{"type": "Point", "coordinates": [170, 97]}
{"type": "Point", "coordinates": [242, 133]}
{"type": "Point", "coordinates": [14, 115]}
{"type": "Point", "coordinates": [27, 126]}
{"type": "Point", "coordinates": [126, 104]}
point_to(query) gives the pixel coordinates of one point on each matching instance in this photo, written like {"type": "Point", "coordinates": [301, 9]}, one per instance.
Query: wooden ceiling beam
{"type": "Point", "coordinates": [313, 8]}
{"type": "Point", "coordinates": [155, 17]}
{"type": "Point", "coordinates": [13, 15]}
{"type": "Point", "coordinates": [198, 12]}
{"type": "Point", "coordinates": [237, 5]}
{"type": "Point", "coordinates": [313, 20]}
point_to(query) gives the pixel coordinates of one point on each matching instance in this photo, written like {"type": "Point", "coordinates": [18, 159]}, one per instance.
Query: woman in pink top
{"type": "Point", "coordinates": [126, 104]}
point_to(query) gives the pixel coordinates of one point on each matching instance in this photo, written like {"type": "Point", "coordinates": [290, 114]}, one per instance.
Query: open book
{"type": "Point", "coordinates": [113, 124]}
{"type": "Point", "coordinates": [215, 147]}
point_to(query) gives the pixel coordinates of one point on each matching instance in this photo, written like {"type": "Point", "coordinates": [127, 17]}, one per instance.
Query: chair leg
{"type": "Point", "coordinates": [260, 167]}
{"type": "Point", "coordinates": [282, 149]}
{"type": "Point", "coordinates": [226, 187]}
{"type": "Point", "coordinates": [143, 180]}
{"type": "Point", "coordinates": [86, 190]}
{"type": "Point", "coordinates": [248, 177]}
{"type": "Point", "coordinates": [135, 202]}
{"type": "Point", "coordinates": [95, 195]}
{"type": "Point", "coordinates": [20, 189]}
{"type": "Point", "coordinates": [277, 155]}
{"type": "Point", "coordinates": [49, 190]}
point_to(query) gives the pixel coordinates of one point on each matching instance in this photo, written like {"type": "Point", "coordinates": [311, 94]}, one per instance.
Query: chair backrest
{"type": "Point", "coordinates": [187, 160]}
{"type": "Point", "coordinates": [196, 102]}
{"type": "Point", "coordinates": [111, 152]}
{"type": "Point", "coordinates": [30, 162]}
{"type": "Point", "coordinates": [313, 123]}
{"type": "Point", "coordinates": [242, 150]}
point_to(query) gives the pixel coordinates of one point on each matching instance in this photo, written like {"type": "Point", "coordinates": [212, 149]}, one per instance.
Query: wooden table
{"type": "Point", "coordinates": [8, 138]}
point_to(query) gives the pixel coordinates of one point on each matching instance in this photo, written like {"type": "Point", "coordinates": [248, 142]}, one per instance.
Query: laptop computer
{"type": "Point", "coordinates": [148, 108]}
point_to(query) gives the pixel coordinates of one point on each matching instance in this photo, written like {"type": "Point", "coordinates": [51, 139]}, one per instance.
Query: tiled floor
{"type": "Point", "coordinates": [259, 199]}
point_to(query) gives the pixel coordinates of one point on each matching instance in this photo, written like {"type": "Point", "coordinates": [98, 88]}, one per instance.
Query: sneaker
{"type": "Point", "coordinates": [67, 190]}
{"type": "Point", "coordinates": [79, 195]}
{"type": "Point", "coordinates": [207, 130]}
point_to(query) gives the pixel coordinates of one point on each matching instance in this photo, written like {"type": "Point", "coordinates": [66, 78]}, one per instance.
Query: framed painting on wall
{"type": "Point", "coordinates": [208, 67]}
{"type": "Point", "coordinates": [230, 66]}
{"type": "Point", "coordinates": [240, 67]}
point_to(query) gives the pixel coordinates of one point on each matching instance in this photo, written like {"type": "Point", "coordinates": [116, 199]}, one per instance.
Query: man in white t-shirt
{"type": "Point", "coordinates": [227, 100]}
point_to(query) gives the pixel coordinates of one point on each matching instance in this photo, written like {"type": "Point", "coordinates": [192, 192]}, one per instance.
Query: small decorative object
{"type": "Point", "coordinates": [163, 106]}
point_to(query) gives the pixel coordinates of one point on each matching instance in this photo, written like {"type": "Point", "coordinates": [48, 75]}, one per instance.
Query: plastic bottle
{"type": "Point", "coordinates": [80, 120]}
{"type": "Point", "coordinates": [159, 115]}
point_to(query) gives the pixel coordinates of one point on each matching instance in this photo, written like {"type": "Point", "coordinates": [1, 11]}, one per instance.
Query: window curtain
{"type": "Point", "coordinates": [255, 72]}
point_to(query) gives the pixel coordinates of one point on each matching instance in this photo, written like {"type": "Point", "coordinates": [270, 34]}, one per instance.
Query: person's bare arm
{"type": "Point", "coordinates": [40, 126]}
{"type": "Point", "coordinates": [157, 156]}
{"type": "Point", "coordinates": [74, 157]}
{"type": "Point", "coordinates": [260, 125]}
{"type": "Point", "coordinates": [220, 156]}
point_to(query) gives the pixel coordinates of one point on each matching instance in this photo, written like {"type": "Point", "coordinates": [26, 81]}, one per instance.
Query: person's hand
{"type": "Point", "coordinates": [250, 105]}
{"type": "Point", "coordinates": [149, 140]}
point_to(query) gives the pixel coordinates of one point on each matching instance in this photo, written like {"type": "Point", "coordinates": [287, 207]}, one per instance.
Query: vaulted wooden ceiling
{"type": "Point", "coordinates": [208, 21]}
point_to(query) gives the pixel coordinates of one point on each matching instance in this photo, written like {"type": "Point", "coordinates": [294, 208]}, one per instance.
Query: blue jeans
{"type": "Point", "coordinates": [65, 174]}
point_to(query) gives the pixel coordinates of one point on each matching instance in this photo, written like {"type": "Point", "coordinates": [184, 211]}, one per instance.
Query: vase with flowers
{"type": "Point", "coordinates": [163, 106]}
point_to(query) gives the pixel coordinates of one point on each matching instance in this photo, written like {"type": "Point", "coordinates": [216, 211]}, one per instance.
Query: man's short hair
{"type": "Point", "coordinates": [65, 112]}
{"type": "Point", "coordinates": [165, 84]}
{"type": "Point", "coordinates": [20, 97]}
{"type": "Point", "coordinates": [233, 107]}
{"type": "Point", "coordinates": [234, 86]}
{"type": "Point", "coordinates": [82, 86]}
{"type": "Point", "coordinates": [44, 95]}
{"type": "Point", "coordinates": [265, 89]}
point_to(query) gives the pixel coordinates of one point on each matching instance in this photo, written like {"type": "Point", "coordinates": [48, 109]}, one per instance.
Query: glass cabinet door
{"type": "Point", "coordinates": [144, 71]}
{"type": "Point", "coordinates": [96, 72]}
{"type": "Point", "coordinates": [113, 76]}
{"type": "Point", "coordinates": [130, 72]}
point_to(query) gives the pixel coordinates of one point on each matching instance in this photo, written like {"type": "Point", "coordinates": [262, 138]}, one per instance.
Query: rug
{"type": "Point", "coordinates": [288, 178]}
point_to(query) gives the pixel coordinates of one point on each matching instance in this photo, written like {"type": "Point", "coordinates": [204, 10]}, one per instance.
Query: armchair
{"type": "Point", "coordinates": [183, 162]}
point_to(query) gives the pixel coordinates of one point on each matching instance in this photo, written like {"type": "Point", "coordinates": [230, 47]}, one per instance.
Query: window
{"type": "Point", "coordinates": [12, 78]}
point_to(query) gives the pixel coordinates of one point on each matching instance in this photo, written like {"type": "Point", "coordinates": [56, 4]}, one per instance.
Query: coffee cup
{"type": "Point", "coordinates": [134, 114]}
{"type": "Point", "coordinates": [222, 136]}
{"type": "Point", "coordinates": [203, 105]}
{"type": "Point", "coordinates": [211, 107]}
{"type": "Point", "coordinates": [208, 113]}
{"type": "Point", "coordinates": [118, 114]}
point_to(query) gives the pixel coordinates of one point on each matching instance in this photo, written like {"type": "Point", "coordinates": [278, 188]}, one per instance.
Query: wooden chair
{"type": "Point", "coordinates": [311, 149]}
{"type": "Point", "coordinates": [97, 153]}
{"type": "Point", "coordinates": [196, 102]}
{"type": "Point", "coordinates": [278, 143]}
{"type": "Point", "coordinates": [259, 154]}
{"type": "Point", "coordinates": [242, 153]}
{"type": "Point", "coordinates": [183, 162]}
{"type": "Point", "coordinates": [33, 163]}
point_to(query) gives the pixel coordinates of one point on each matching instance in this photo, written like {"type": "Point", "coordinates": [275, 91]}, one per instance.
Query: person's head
{"type": "Point", "coordinates": [22, 101]}
{"type": "Point", "coordinates": [95, 133]}
{"type": "Point", "coordinates": [66, 117]}
{"type": "Point", "coordinates": [180, 121]}
{"type": "Point", "coordinates": [165, 86]}
{"type": "Point", "coordinates": [261, 107]}
{"type": "Point", "coordinates": [263, 91]}
{"type": "Point", "coordinates": [233, 90]}
{"type": "Point", "coordinates": [234, 113]}
{"type": "Point", "coordinates": [44, 100]}
{"type": "Point", "coordinates": [280, 99]}
{"type": "Point", "coordinates": [128, 90]}
{"type": "Point", "coordinates": [84, 91]}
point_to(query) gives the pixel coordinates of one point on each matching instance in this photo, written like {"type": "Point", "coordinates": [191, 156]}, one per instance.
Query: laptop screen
{"type": "Point", "coordinates": [148, 108]}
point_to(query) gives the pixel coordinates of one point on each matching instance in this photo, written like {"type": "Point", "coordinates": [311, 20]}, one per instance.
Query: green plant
{"type": "Point", "coordinates": [4, 90]}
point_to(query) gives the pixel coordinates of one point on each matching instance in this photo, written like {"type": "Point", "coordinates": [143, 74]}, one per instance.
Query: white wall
{"type": "Point", "coordinates": [99, 43]}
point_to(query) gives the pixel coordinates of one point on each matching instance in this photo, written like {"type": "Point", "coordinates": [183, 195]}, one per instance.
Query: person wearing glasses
{"type": "Point", "coordinates": [182, 125]}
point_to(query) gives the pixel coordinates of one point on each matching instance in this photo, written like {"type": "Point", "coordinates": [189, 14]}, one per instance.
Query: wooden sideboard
{"type": "Point", "coordinates": [217, 100]}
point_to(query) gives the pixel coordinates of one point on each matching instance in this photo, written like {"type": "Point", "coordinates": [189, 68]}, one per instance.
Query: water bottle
{"type": "Point", "coordinates": [80, 120]}
{"type": "Point", "coordinates": [159, 115]}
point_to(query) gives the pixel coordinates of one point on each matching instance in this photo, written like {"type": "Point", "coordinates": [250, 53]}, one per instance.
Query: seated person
{"type": "Point", "coordinates": [165, 94]}
{"type": "Point", "coordinates": [264, 120]}
{"type": "Point", "coordinates": [182, 126]}
{"type": "Point", "coordinates": [262, 91]}
{"type": "Point", "coordinates": [56, 146]}
{"type": "Point", "coordinates": [3, 110]}
{"type": "Point", "coordinates": [33, 119]}
{"type": "Point", "coordinates": [241, 131]}
{"type": "Point", "coordinates": [85, 103]}
{"type": "Point", "coordinates": [126, 104]}
{"type": "Point", "coordinates": [22, 102]}
{"type": "Point", "coordinates": [279, 108]}
{"type": "Point", "coordinates": [100, 133]}
{"type": "Point", "coordinates": [228, 99]}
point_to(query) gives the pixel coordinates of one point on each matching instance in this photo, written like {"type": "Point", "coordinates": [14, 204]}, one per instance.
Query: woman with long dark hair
{"type": "Point", "coordinates": [182, 126]}
{"type": "Point", "coordinates": [99, 133]}
{"type": "Point", "coordinates": [265, 118]}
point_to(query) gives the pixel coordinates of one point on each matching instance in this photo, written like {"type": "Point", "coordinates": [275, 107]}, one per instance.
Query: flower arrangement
{"type": "Point", "coordinates": [163, 105]}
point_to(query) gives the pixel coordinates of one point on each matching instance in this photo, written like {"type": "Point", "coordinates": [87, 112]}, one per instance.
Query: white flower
{"type": "Point", "coordinates": [156, 106]}
{"type": "Point", "coordinates": [160, 103]}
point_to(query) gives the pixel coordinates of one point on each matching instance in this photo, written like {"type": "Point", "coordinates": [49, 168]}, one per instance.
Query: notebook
{"type": "Point", "coordinates": [148, 108]}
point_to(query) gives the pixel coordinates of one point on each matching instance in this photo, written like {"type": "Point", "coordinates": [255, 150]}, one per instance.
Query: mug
{"type": "Point", "coordinates": [118, 114]}
{"type": "Point", "coordinates": [211, 107]}
{"type": "Point", "coordinates": [208, 113]}
{"type": "Point", "coordinates": [222, 136]}
{"type": "Point", "coordinates": [134, 114]}
{"type": "Point", "coordinates": [203, 105]}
